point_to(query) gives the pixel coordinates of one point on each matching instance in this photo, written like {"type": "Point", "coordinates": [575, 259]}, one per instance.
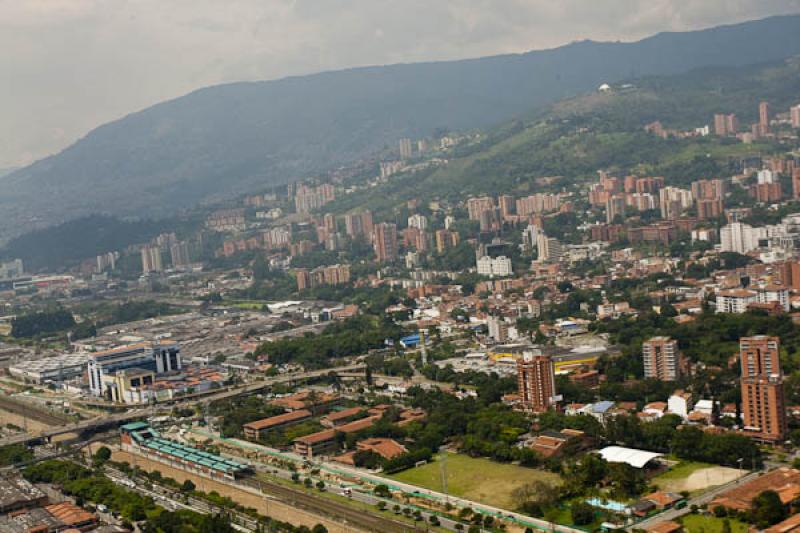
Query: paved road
{"type": "Point", "coordinates": [137, 414]}
{"type": "Point", "coordinates": [341, 470]}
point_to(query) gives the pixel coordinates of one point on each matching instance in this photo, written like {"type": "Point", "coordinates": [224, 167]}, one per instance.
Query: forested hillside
{"type": "Point", "coordinates": [225, 140]}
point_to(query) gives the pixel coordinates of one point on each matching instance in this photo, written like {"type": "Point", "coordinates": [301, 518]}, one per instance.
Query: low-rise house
{"type": "Point", "coordinates": [256, 429]}
{"type": "Point", "coordinates": [338, 418]}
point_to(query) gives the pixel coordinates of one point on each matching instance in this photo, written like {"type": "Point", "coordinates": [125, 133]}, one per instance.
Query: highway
{"type": "Point", "coordinates": [144, 412]}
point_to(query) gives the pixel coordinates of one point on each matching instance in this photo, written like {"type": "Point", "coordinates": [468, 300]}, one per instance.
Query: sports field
{"type": "Point", "coordinates": [476, 479]}
{"type": "Point", "coordinates": [693, 476]}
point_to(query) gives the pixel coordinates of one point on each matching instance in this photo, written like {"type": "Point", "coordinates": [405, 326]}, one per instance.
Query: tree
{"type": "Point", "coordinates": [768, 509]}
{"type": "Point", "coordinates": [321, 485]}
{"type": "Point", "coordinates": [535, 496]}
{"type": "Point", "coordinates": [582, 513]}
{"type": "Point", "coordinates": [308, 483]}
{"type": "Point", "coordinates": [319, 528]}
{"type": "Point", "coordinates": [382, 491]}
{"type": "Point", "coordinates": [188, 486]}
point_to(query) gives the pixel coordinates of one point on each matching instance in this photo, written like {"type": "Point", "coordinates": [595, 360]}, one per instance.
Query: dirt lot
{"type": "Point", "coordinates": [701, 479]}
{"type": "Point", "coordinates": [267, 507]}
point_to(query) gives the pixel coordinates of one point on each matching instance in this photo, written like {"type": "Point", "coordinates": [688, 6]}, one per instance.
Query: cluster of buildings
{"type": "Point", "coordinates": [324, 275]}
{"type": "Point", "coordinates": [763, 408]}
{"type": "Point", "coordinates": [308, 199]}
{"type": "Point", "coordinates": [728, 124]}
{"type": "Point", "coordinates": [325, 408]}
{"type": "Point", "coordinates": [25, 508]}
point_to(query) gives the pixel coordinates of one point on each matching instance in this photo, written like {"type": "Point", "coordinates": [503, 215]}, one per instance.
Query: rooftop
{"type": "Point", "coordinates": [633, 457]}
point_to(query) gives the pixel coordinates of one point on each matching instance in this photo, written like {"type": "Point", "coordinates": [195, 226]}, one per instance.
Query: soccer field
{"type": "Point", "coordinates": [480, 479]}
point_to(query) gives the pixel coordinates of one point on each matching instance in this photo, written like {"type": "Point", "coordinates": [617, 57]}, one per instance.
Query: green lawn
{"type": "Point", "coordinates": [695, 523]}
{"type": "Point", "coordinates": [476, 479]}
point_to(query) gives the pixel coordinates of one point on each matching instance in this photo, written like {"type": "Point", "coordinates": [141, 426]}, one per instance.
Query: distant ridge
{"type": "Point", "coordinates": [227, 139]}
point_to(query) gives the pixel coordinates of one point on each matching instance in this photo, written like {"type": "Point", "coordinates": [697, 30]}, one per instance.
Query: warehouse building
{"type": "Point", "coordinates": [141, 439]}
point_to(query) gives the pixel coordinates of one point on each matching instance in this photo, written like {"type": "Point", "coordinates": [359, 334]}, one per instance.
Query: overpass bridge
{"type": "Point", "coordinates": [94, 425]}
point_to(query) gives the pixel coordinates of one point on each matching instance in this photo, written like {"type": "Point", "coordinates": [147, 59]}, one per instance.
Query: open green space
{"type": "Point", "coordinates": [695, 523]}
{"type": "Point", "coordinates": [476, 479]}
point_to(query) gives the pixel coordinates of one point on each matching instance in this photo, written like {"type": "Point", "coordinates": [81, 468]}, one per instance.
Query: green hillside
{"type": "Point", "coordinates": [577, 137]}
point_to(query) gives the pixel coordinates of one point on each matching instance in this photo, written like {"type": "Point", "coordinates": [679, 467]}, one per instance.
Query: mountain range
{"type": "Point", "coordinates": [228, 139]}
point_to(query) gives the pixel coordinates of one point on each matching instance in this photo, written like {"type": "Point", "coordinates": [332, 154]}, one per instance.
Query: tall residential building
{"type": "Point", "coordinates": [103, 262]}
{"type": "Point", "coordinates": [508, 205]}
{"type": "Point", "coordinates": [476, 206]}
{"type": "Point", "coordinates": [725, 124]}
{"type": "Point", "coordinates": [794, 116]}
{"type": "Point", "coordinates": [309, 199]}
{"type": "Point", "coordinates": [549, 249]}
{"type": "Point", "coordinates": [384, 241]}
{"type": "Point", "coordinates": [709, 189]}
{"type": "Point", "coordinates": [151, 259]}
{"type": "Point", "coordinates": [615, 206]}
{"type": "Point", "coordinates": [359, 224]}
{"type": "Point", "coordinates": [673, 201]}
{"type": "Point", "coordinates": [763, 404]}
{"type": "Point", "coordinates": [796, 183]}
{"type": "Point", "coordinates": [763, 118]}
{"type": "Point", "coordinates": [536, 382]}
{"type": "Point", "coordinates": [418, 221]}
{"type": "Point", "coordinates": [740, 238]}
{"type": "Point", "coordinates": [179, 254]}
{"type": "Point", "coordinates": [709, 208]}
{"type": "Point", "coordinates": [405, 148]}
{"type": "Point", "coordinates": [446, 239]}
{"type": "Point", "coordinates": [661, 359]}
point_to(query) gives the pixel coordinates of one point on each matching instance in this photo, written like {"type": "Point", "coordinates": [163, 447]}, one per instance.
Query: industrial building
{"type": "Point", "coordinates": [141, 439]}
{"type": "Point", "coordinates": [50, 369]}
{"type": "Point", "coordinates": [157, 357]}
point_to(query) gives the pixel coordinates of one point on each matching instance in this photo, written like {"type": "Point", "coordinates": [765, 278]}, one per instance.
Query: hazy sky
{"type": "Point", "coordinates": [67, 66]}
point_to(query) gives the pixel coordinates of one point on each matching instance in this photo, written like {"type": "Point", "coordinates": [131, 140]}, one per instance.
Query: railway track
{"type": "Point", "coordinates": [31, 411]}
{"type": "Point", "coordinates": [337, 511]}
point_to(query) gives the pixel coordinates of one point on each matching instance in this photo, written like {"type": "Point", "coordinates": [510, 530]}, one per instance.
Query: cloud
{"type": "Point", "coordinates": [70, 65]}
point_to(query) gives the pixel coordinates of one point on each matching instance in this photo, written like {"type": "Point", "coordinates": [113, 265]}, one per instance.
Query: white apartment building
{"type": "Point", "coordinates": [680, 403]}
{"type": "Point", "coordinates": [550, 250]}
{"type": "Point", "coordinates": [740, 238]}
{"type": "Point", "coordinates": [766, 176]}
{"type": "Point", "coordinates": [494, 266]}
{"type": "Point", "coordinates": [773, 293]}
{"type": "Point", "coordinates": [735, 300]}
{"type": "Point", "coordinates": [418, 221]}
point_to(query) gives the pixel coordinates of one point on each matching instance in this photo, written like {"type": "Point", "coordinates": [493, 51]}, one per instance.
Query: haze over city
{"type": "Point", "coordinates": [71, 65]}
{"type": "Point", "coordinates": [382, 267]}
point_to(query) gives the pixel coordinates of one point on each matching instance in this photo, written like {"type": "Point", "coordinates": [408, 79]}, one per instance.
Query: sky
{"type": "Point", "coordinates": [67, 66]}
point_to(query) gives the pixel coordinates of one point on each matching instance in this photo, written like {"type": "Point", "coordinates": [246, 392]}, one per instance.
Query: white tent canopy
{"type": "Point", "coordinates": [635, 458]}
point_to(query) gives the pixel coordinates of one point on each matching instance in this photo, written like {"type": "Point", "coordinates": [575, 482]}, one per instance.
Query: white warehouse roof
{"type": "Point", "coordinates": [635, 458]}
